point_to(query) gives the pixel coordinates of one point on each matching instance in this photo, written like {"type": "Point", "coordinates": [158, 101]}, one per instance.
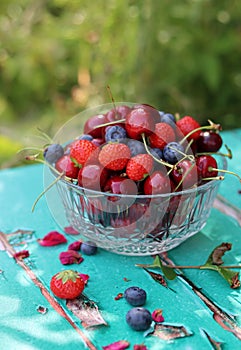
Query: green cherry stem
{"type": "Point", "coordinates": [229, 154]}
{"type": "Point", "coordinates": [184, 176]}
{"type": "Point", "coordinates": [212, 126]}
{"type": "Point", "coordinates": [45, 136]}
{"type": "Point", "coordinates": [46, 189]}
{"type": "Point", "coordinates": [156, 159]}
{"type": "Point", "coordinates": [110, 123]}
{"type": "Point", "coordinates": [213, 178]}
{"type": "Point", "coordinates": [210, 168]}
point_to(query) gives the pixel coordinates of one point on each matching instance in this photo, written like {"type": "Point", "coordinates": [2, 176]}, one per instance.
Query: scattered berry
{"type": "Point", "coordinates": [139, 318]}
{"type": "Point", "coordinates": [67, 284]}
{"type": "Point", "coordinates": [135, 296]}
{"type": "Point", "coordinates": [88, 248]}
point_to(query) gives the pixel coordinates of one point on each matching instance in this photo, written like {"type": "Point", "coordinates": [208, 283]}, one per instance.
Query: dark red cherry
{"type": "Point", "coordinates": [139, 121]}
{"type": "Point", "coordinates": [152, 110]}
{"type": "Point", "coordinates": [120, 185]}
{"type": "Point", "coordinates": [209, 141]}
{"type": "Point", "coordinates": [205, 166]}
{"type": "Point", "coordinates": [184, 174]}
{"type": "Point", "coordinates": [120, 112]}
{"type": "Point", "coordinates": [91, 123]}
{"type": "Point", "coordinates": [66, 166]}
{"type": "Point", "coordinates": [157, 183]}
{"type": "Point", "coordinates": [93, 176]}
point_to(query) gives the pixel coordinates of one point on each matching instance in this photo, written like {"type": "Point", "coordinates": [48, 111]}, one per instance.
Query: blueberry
{"type": "Point", "coordinates": [172, 152]}
{"type": "Point", "coordinates": [135, 296]}
{"type": "Point", "coordinates": [53, 152]}
{"type": "Point", "coordinates": [168, 118]}
{"type": "Point", "coordinates": [114, 133]}
{"type": "Point", "coordinates": [136, 147]}
{"type": "Point", "coordinates": [88, 248]}
{"type": "Point", "coordinates": [86, 137]}
{"type": "Point", "coordinates": [156, 152]}
{"type": "Point", "coordinates": [139, 318]}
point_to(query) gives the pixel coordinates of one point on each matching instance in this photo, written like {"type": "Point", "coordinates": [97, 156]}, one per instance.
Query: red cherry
{"type": "Point", "coordinates": [209, 141]}
{"type": "Point", "coordinates": [205, 165]}
{"type": "Point", "coordinates": [157, 183]}
{"type": "Point", "coordinates": [139, 121]}
{"type": "Point", "coordinates": [152, 110]}
{"type": "Point", "coordinates": [66, 166]}
{"type": "Point", "coordinates": [93, 176]}
{"type": "Point", "coordinates": [120, 185]}
{"type": "Point", "coordinates": [184, 174]}
{"type": "Point", "coordinates": [120, 112]}
{"type": "Point", "coordinates": [91, 123]}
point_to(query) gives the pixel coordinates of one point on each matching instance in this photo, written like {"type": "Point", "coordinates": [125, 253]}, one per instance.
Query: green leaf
{"type": "Point", "coordinates": [168, 272]}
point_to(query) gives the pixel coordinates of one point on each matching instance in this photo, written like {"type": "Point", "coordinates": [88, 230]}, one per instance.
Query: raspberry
{"type": "Point", "coordinates": [139, 167]}
{"type": "Point", "coordinates": [186, 125]}
{"type": "Point", "coordinates": [162, 135]}
{"type": "Point", "coordinates": [114, 156]}
{"type": "Point", "coordinates": [81, 151]}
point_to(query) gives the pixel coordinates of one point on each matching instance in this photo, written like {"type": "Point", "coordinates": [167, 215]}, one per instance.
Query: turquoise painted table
{"type": "Point", "coordinates": [200, 303]}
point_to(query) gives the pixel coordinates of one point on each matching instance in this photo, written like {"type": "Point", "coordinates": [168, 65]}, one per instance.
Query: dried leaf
{"type": "Point", "coordinates": [218, 252]}
{"type": "Point", "coordinates": [169, 332]}
{"type": "Point", "coordinates": [86, 310]}
{"type": "Point", "coordinates": [51, 239]}
{"type": "Point", "coordinates": [119, 345]}
{"type": "Point", "coordinates": [157, 277]}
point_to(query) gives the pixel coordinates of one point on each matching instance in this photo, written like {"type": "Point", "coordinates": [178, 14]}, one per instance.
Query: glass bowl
{"type": "Point", "coordinates": [128, 224]}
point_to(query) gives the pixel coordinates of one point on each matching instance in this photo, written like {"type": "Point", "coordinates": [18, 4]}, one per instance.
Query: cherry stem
{"type": "Point", "coordinates": [210, 168]}
{"type": "Point", "coordinates": [212, 126]}
{"type": "Point", "coordinates": [46, 136]}
{"type": "Point", "coordinates": [110, 123]}
{"type": "Point", "coordinates": [46, 189]}
{"type": "Point", "coordinates": [113, 101]}
{"type": "Point", "coordinates": [156, 159]}
{"type": "Point", "coordinates": [229, 154]}
{"type": "Point", "coordinates": [213, 178]}
{"type": "Point", "coordinates": [202, 267]}
{"type": "Point", "coordinates": [189, 156]}
{"type": "Point", "coordinates": [29, 149]}
{"type": "Point", "coordinates": [184, 176]}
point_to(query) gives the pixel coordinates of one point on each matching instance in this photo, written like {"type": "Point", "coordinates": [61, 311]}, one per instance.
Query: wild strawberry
{"type": "Point", "coordinates": [114, 156]}
{"type": "Point", "coordinates": [162, 135]}
{"type": "Point", "coordinates": [139, 167]}
{"type": "Point", "coordinates": [67, 284]}
{"type": "Point", "coordinates": [81, 151]}
{"type": "Point", "coordinates": [188, 124]}
{"type": "Point", "coordinates": [66, 166]}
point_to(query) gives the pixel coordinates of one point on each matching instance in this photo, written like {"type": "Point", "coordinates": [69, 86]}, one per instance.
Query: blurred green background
{"type": "Point", "coordinates": [58, 56]}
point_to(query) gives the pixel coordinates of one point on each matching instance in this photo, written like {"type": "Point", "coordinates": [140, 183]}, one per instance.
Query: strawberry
{"type": "Point", "coordinates": [163, 134]}
{"type": "Point", "coordinates": [66, 166]}
{"type": "Point", "coordinates": [67, 284]}
{"type": "Point", "coordinates": [81, 151]}
{"type": "Point", "coordinates": [139, 167]}
{"type": "Point", "coordinates": [188, 124]}
{"type": "Point", "coordinates": [114, 156]}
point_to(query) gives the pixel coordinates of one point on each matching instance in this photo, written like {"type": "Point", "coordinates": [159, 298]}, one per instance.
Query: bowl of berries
{"type": "Point", "coordinates": [132, 179]}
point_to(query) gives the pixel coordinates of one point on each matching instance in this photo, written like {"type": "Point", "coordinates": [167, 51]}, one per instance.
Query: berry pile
{"type": "Point", "coordinates": [138, 151]}
{"type": "Point", "coordinates": [157, 152]}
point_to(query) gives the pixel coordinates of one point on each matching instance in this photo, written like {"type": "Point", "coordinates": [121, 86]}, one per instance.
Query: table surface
{"type": "Point", "coordinates": [205, 306]}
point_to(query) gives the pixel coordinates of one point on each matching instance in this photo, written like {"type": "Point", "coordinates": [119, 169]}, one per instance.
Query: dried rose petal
{"type": "Point", "coordinates": [70, 230]}
{"type": "Point", "coordinates": [157, 316]}
{"type": "Point", "coordinates": [52, 238]}
{"type": "Point", "coordinates": [119, 296]}
{"type": "Point", "coordinates": [75, 246]}
{"type": "Point", "coordinates": [119, 345]}
{"type": "Point", "coordinates": [84, 277]}
{"type": "Point", "coordinates": [70, 257]}
{"type": "Point", "coordinates": [21, 255]}
{"type": "Point", "coordinates": [140, 347]}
